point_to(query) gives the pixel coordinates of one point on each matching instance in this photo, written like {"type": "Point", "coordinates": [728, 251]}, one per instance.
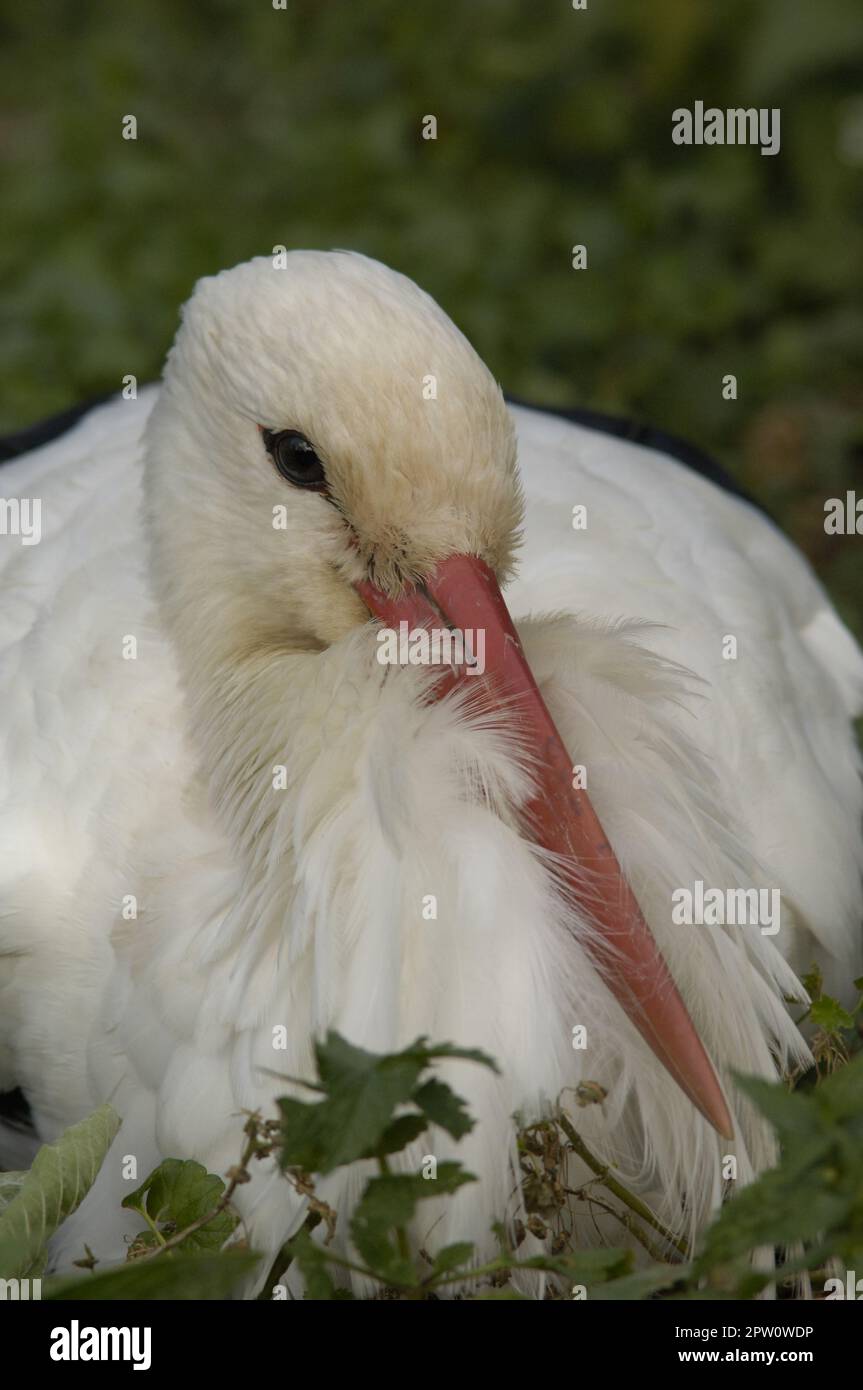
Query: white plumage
{"type": "Point", "coordinates": [152, 778]}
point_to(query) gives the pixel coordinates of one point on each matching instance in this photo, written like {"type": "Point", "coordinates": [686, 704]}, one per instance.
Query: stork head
{"type": "Point", "coordinates": [324, 422]}
{"type": "Point", "coordinates": [328, 446]}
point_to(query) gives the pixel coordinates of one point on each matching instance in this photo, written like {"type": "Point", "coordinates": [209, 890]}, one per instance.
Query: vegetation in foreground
{"type": "Point", "coordinates": [365, 1106]}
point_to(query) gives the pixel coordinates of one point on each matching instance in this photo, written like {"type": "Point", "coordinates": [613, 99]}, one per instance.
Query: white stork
{"type": "Point", "coordinates": [221, 814]}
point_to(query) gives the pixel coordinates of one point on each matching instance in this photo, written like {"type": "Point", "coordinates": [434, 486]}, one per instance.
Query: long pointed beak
{"type": "Point", "coordinates": [463, 594]}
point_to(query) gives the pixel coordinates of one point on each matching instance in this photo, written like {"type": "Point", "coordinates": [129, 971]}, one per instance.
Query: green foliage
{"type": "Point", "coordinates": [170, 1277]}
{"type": "Point", "coordinates": [314, 1266]}
{"type": "Point", "coordinates": [827, 1013]}
{"type": "Point", "coordinates": [38, 1201]}
{"type": "Point", "coordinates": [179, 1201]}
{"type": "Point", "coordinates": [644, 1283]}
{"type": "Point", "coordinates": [821, 1134]}
{"type": "Point", "coordinates": [452, 1257]}
{"type": "Point", "coordinates": [177, 1195]}
{"type": "Point", "coordinates": [10, 1186]}
{"type": "Point", "coordinates": [835, 1036]}
{"type": "Point", "coordinates": [360, 1092]}
{"type": "Point", "coordinates": [810, 1206]}
{"type": "Point", "coordinates": [387, 1207]}
{"type": "Point", "coordinates": [359, 1112]}
{"type": "Point", "coordinates": [815, 1195]}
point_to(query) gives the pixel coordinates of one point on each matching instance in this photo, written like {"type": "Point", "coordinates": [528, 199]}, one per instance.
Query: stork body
{"type": "Point", "coordinates": [232, 823]}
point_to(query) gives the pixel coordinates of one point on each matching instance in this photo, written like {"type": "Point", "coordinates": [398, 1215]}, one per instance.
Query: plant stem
{"type": "Point", "coordinates": [360, 1269]}
{"type": "Point", "coordinates": [617, 1188]}
{"type": "Point", "coordinates": [249, 1151]}
{"type": "Point", "coordinates": [629, 1223]}
{"type": "Point", "coordinates": [401, 1234]}
{"type": "Point", "coordinates": [494, 1267]}
{"type": "Point", "coordinates": [284, 1259]}
{"type": "Point", "coordinates": [153, 1227]}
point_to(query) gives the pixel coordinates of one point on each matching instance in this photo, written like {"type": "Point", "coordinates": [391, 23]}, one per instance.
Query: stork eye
{"type": "Point", "coordinates": [296, 459]}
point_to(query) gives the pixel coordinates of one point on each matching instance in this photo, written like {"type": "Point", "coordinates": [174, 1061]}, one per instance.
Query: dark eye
{"type": "Point", "coordinates": [295, 458]}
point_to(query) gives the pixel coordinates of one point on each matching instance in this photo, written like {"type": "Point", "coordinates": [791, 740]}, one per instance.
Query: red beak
{"type": "Point", "coordinates": [463, 594]}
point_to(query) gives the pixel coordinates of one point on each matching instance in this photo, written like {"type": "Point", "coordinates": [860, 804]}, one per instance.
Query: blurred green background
{"type": "Point", "coordinates": [259, 126]}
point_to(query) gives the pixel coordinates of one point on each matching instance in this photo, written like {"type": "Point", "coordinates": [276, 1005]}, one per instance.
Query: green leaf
{"type": "Point", "coordinates": [444, 1108]}
{"type": "Point", "coordinates": [403, 1130]}
{"type": "Point", "coordinates": [770, 1212]}
{"type": "Point", "coordinates": [178, 1193]}
{"type": "Point", "coordinates": [829, 1014]}
{"type": "Point", "coordinates": [504, 1295]}
{"type": "Point", "coordinates": [813, 982]}
{"type": "Point", "coordinates": [59, 1179]}
{"type": "Point", "coordinates": [10, 1185]}
{"type": "Point", "coordinates": [790, 1112]}
{"type": "Point", "coordinates": [388, 1203]}
{"type": "Point", "coordinates": [821, 1130]}
{"type": "Point", "coordinates": [312, 1260]}
{"type": "Point", "coordinates": [144, 1243]}
{"type": "Point", "coordinates": [439, 1052]}
{"type": "Point", "coordinates": [839, 1098]}
{"type": "Point", "coordinates": [174, 1276]}
{"type": "Point", "coordinates": [587, 1267]}
{"type": "Point", "coordinates": [362, 1091]}
{"type": "Point", "coordinates": [452, 1257]}
{"type": "Point", "coordinates": [642, 1284]}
